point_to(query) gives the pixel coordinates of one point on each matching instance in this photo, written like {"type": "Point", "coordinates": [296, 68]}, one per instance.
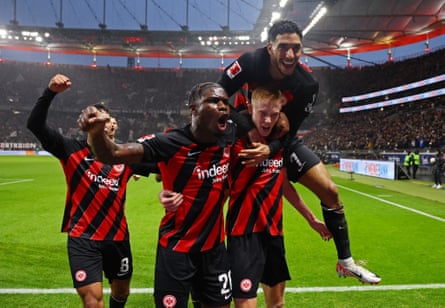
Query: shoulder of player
{"type": "Point", "coordinates": [176, 137]}
{"type": "Point", "coordinates": [249, 60]}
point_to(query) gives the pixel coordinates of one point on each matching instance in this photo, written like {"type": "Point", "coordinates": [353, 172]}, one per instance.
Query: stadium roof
{"type": "Point", "coordinates": [348, 26]}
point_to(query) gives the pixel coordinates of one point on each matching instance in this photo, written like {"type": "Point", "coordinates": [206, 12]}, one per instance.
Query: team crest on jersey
{"type": "Point", "coordinates": [169, 301]}
{"type": "Point", "coordinates": [226, 152]}
{"type": "Point", "coordinates": [80, 275]}
{"type": "Point", "coordinates": [146, 137]}
{"type": "Point", "coordinates": [234, 70]}
{"type": "Point", "coordinates": [119, 168]}
{"type": "Point", "coordinates": [245, 285]}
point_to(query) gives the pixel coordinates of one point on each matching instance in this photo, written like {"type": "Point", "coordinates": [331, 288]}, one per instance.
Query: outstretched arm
{"type": "Point", "coordinates": [298, 203]}
{"type": "Point", "coordinates": [93, 121]}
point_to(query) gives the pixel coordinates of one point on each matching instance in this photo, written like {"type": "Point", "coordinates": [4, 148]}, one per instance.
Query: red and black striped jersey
{"type": "Point", "coordinates": [255, 203]}
{"type": "Point", "coordinates": [200, 173]}
{"type": "Point", "coordinates": [95, 198]}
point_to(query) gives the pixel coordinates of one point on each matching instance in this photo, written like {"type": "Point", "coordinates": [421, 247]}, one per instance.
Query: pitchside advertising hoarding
{"type": "Point", "coordinates": [386, 169]}
{"type": "Point", "coordinates": [376, 168]}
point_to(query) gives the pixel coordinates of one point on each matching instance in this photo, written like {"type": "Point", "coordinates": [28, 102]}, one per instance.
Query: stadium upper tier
{"type": "Point", "coordinates": [150, 100]}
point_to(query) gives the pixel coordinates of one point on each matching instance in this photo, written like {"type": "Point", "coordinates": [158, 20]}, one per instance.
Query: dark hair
{"type": "Point", "coordinates": [101, 107]}
{"type": "Point", "coordinates": [281, 27]}
{"type": "Point", "coordinates": [198, 89]}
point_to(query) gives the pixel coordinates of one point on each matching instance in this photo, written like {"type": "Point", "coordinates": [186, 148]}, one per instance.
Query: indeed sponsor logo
{"type": "Point", "coordinates": [215, 172]}
{"type": "Point", "coordinates": [271, 165]}
{"type": "Point", "coordinates": [103, 182]}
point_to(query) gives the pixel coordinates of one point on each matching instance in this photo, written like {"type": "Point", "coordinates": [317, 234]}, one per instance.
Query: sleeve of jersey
{"type": "Point", "coordinates": [50, 139]}
{"type": "Point", "coordinates": [236, 74]}
{"type": "Point", "coordinates": [233, 79]}
{"type": "Point", "coordinates": [156, 148]}
{"type": "Point", "coordinates": [145, 169]}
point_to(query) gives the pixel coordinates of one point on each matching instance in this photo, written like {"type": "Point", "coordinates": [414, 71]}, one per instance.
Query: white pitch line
{"type": "Point", "coordinates": [288, 290]}
{"type": "Point", "coordinates": [368, 288]}
{"type": "Point", "coordinates": [17, 181]}
{"type": "Point", "coordinates": [394, 204]}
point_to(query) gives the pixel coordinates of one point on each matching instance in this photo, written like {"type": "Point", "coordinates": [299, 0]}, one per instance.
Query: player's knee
{"type": "Point", "coordinates": [332, 194]}
{"type": "Point", "coordinates": [91, 296]}
{"type": "Point", "coordinates": [91, 301]}
{"type": "Point", "coordinates": [120, 289]}
{"type": "Point", "coordinates": [274, 300]}
{"type": "Point", "coordinates": [276, 304]}
{"type": "Point", "coordinates": [333, 190]}
{"type": "Point", "coordinates": [121, 294]}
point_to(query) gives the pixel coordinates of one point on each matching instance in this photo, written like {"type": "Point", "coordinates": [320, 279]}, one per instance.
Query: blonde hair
{"type": "Point", "coordinates": [266, 92]}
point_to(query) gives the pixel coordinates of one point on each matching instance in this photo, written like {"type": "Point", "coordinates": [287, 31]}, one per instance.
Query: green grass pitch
{"type": "Point", "coordinates": [397, 227]}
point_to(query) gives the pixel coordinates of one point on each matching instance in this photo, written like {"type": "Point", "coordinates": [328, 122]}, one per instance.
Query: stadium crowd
{"type": "Point", "coordinates": [393, 129]}
{"type": "Point", "coordinates": [146, 101]}
{"type": "Point", "coordinates": [418, 124]}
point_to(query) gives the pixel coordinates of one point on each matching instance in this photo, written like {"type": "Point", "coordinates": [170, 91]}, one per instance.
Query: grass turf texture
{"type": "Point", "coordinates": [406, 248]}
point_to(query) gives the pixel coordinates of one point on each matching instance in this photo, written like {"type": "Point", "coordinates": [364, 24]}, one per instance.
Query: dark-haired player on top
{"type": "Point", "coordinates": [94, 218]}
{"type": "Point", "coordinates": [194, 161]}
{"type": "Point", "coordinates": [277, 64]}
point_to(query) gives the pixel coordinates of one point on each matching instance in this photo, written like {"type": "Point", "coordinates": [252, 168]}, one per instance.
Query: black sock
{"type": "Point", "coordinates": [114, 303]}
{"type": "Point", "coordinates": [336, 223]}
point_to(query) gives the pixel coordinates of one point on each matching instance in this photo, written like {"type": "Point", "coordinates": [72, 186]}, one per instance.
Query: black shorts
{"type": "Point", "coordinates": [298, 159]}
{"type": "Point", "coordinates": [256, 258]}
{"type": "Point", "coordinates": [88, 259]}
{"type": "Point", "coordinates": [205, 274]}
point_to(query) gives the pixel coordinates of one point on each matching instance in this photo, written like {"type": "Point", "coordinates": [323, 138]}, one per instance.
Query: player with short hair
{"type": "Point", "coordinates": [193, 160]}
{"type": "Point", "coordinates": [277, 64]}
{"type": "Point", "coordinates": [254, 229]}
{"type": "Point", "coordinates": [94, 217]}
{"type": "Point", "coordinates": [254, 218]}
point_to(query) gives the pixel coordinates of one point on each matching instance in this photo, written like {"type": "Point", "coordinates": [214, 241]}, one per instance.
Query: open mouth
{"type": "Point", "coordinates": [222, 121]}
{"type": "Point", "coordinates": [265, 130]}
{"type": "Point", "coordinates": [288, 64]}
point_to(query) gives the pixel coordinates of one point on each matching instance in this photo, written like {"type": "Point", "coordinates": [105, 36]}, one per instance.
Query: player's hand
{"type": "Point", "coordinates": [59, 83]}
{"type": "Point", "coordinates": [92, 120]}
{"type": "Point", "coordinates": [255, 155]}
{"type": "Point", "coordinates": [170, 200]}
{"type": "Point", "coordinates": [321, 228]}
